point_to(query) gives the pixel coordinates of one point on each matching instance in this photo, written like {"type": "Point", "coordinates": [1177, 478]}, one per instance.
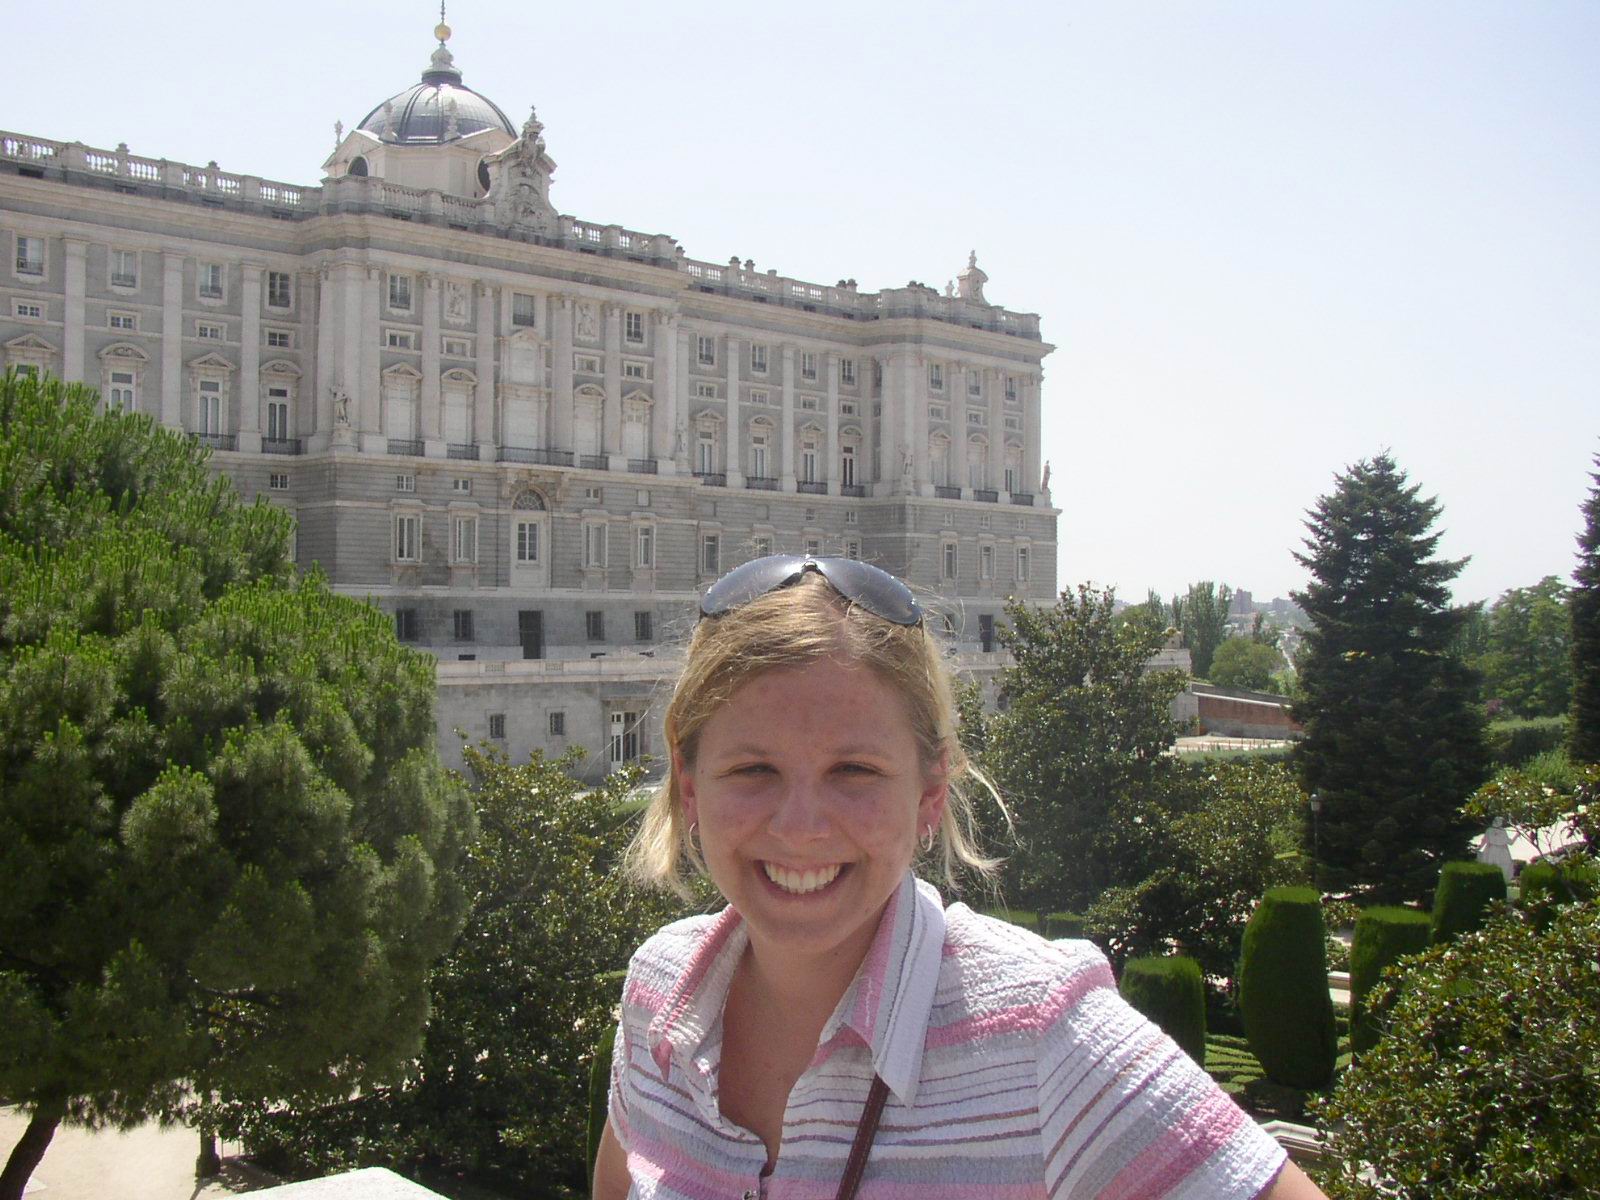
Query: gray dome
{"type": "Point", "coordinates": [421, 115]}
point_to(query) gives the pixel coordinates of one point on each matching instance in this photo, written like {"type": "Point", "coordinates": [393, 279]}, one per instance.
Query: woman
{"type": "Point", "coordinates": [835, 1012]}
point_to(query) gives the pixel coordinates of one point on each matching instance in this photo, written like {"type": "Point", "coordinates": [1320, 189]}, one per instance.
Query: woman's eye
{"type": "Point", "coordinates": [857, 769]}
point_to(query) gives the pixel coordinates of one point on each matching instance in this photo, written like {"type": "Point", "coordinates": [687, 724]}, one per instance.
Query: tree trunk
{"type": "Point", "coordinates": [209, 1163]}
{"type": "Point", "coordinates": [30, 1148]}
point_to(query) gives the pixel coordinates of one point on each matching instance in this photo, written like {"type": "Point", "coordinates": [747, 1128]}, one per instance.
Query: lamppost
{"type": "Point", "coordinates": [1316, 841]}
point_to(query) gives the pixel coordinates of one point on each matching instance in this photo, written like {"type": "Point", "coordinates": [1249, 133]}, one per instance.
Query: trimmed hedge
{"type": "Point", "coordinates": [1283, 989]}
{"type": "Point", "coordinates": [599, 1089]}
{"type": "Point", "coordinates": [1065, 925]}
{"type": "Point", "coordinates": [1546, 885]}
{"type": "Point", "coordinates": [1513, 742]}
{"type": "Point", "coordinates": [1019, 917]}
{"type": "Point", "coordinates": [1171, 992]}
{"type": "Point", "coordinates": [1461, 903]}
{"type": "Point", "coordinates": [1383, 935]}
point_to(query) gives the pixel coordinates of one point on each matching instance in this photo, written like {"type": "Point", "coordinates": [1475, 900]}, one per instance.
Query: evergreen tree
{"type": "Point", "coordinates": [228, 850]}
{"type": "Point", "coordinates": [1527, 665]}
{"type": "Point", "coordinates": [1204, 621]}
{"type": "Point", "coordinates": [1394, 742]}
{"type": "Point", "coordinates": [1584, 728]}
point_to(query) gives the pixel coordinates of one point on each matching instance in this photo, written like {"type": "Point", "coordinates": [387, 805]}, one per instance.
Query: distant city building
{"type": "Point", "coordinates": [531, 438]}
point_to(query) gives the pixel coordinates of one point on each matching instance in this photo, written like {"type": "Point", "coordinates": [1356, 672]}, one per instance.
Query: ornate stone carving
{"type": "Point", "coordinates": [519, 184]}
{"type": "Point", "coordinates": [457, 303]}
{"type": "Point", "coordinates": [586, 322]}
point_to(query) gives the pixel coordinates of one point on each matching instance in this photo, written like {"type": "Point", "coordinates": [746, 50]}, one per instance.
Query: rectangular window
{"type": "Point", "coordinates": [586, 364]}
{"type": "Point", "coordinates": [278, 414]}
{"type": "Point", "coordinates": [633, 370]}
{"type": "Point", "coordinates": [852, 548]}
{"type": "Point", "coordinates": [646, 556]}
{"type": "Point", "coordinates": [400, 292]}
{"type": "Point", "coordinates": [463, 539]}
{"type": "Point", "coordinates": [1022, 563]}
{"type": "Point", "coordinates": [758, 358]}
{"type": "Point", "coordinates": [760, 396]}
{"type": "Point", "coordinates": [1011, 479]}
{"type": "Point", "coordinates": [210, 415]}
{"type": "Point", "coordinates": [1011, 389]}
{"type": "Point", "coordinates": [399, 339]}
{"type": "Point", "coordinates": [706, 452]}
{"type": "Point", "coordinates": [847, 370]}
{"type": "Point", "coordinates": [121, 392]}
{"type": "Point", "coordinates": [808, 462]}
{"type": "Point", "coordinates": [633, 327]}
{"type": "Point", "coordinates": [30, 255]}
{"type": "Point", "coordinates": [705, 391]}
{"type": "Point", "coordinates": [461, 624]}
{"type": "Point", "coordinates": [210, 331]}
{"type": "Point", "coordinates": [643, 625]}
{"type": "Point", "coordinates": [758, 456]}
{"type": "Point", "coordinates": [851, 517]}
{"type": "Point", "coordinates": [457, 347]}
{"type": "Point", "coordinates": [558, 724]}
{"type": "Point", "coordinates": [524, 309]}
{"type": "Point", "coordinates": [461, 486]}
{"type": "Point", "coordinates": [27, 308]}
{"type": "Point", "coordinates": [280, 291]}
{"type": "Point", "coordinates": [594, 545]}
{"type": "Point", "coordinates": [125, 268]}
{"type": "Point", "coordinates": [951, 560]}
{"type": "Point", "coordinates": [762, 546]}
{"type": "Point", "coordinates": [594, 625]}
{"type": "Point", "coordinates": [527, 541]}
{"type": "Point", "coordinates": [278, 481]}
{"type": "Point", "coordinates": [986, 562]}
{"type": "Point", "coordinates": [936, 412]}
{"type": "Point", "coordinates": [711, 554]}
{"type": "Point", "coordinates": [123, 320]}
{"type": "Point", "coordinates": [706, 350]}
{"type": "Point", "coordinates": [808, 364]}
{"type": "Point", "coordinates": [497, 724]}
{"type": "Point", "coordinates": [813, 546]}
{"type": "Point", "coordinates": [976, 416]}
{"type": "Point", "coordinates": [809, 403]}
{"type": "Point", "coordinates": [936, 376]}
{"type": "Point", "coordinates": [405, 624]}
{"type": "Point", "coordinates": [974, 384]}
{"type": "Point", "coordinates": [280, 339]}
{"type": "Point", "coordinates": [407, 537]}
{"type": "Point", "coordinates": [405, 483]}
{"type": "Point", "coordinates": [210, 281]}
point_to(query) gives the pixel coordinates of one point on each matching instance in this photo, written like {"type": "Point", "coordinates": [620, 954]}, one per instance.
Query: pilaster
{"type": "Point", "coordinates": [561, 374]}
{"type": "Point", "coordinates": [668, 437]}
{"type": "Point", "coordinates": [486, 397]}
{"type": "Point", "coordinates": [830, 447]}
{"type": "Point", "coordinates": [1032, 433]}
{"type": "Point", "coordinates": [248, 429]}
{"type": "Point", "coordinates": [786, 477]}
{"type": "Point", "coordinates": [328, 314]}
{"type": "Point", "coordinates": [367, 394]}
{"type": "Point", "coordinates": [611, 423]}
{"type": "Point", "coordinates": [76, 280]}
{"type": "Point", "coordinates": [172, 340]}
{"type": "Point", "coordinates": [432, 401]}
{"type": "Point", "coordinates": [958, 429]}
{"type": "Point", "coordinates": [994, 392]}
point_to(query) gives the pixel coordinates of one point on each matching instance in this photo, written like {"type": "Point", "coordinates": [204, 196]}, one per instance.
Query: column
{"type": "Point", "coordinates": [786, 479]}
{"type": "Point", "coordinates": [668, 438]}
{"type": "Point", "coordinates": [485, 398]}
{"type": "Point", "coordinates": [72, 328]}
{"type": "Point", "coordinates": [830, 447]}
{"type": "Point", "coordinates": [864, 473]}
{"type": "Point", "coordinates": [172, 340]}
{"type": "Point", "coordinates": [918, 434]}
{"type": "Point", "coordinates": [431, 417]}
{"type": "Point", "coordinates": [1032, 434]}
{"type": "Point", "coordinates": [304, 413]}
{"type": "Point", "coordinates": [328, 313]}
{"type": "Point", "coordinates": [361, 354]}
{"type": "Point", "coordinates": [889, 455]}
{"type": "Point", "coordinates": [248, 429]}
{"type": "Point", "coordinates": [611, 424]}
{"type": "Point", "coordinates": [994, 386]}
{"type": "Point", "coordinates": [958, 428]}
{"type": "Point", "coordinates": [561, 375]}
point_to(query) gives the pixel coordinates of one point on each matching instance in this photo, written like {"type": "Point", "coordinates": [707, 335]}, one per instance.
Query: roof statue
{"type": "Point", "coordinates": [519, 182]}
{"type": "Point", "coordinates": [969, 284]}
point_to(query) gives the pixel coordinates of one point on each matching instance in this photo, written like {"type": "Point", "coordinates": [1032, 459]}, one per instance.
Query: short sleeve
{"type": "Point", "coordinates": [1124, 1112]}
{"type": "Point", "coordinates": [617, 1096]}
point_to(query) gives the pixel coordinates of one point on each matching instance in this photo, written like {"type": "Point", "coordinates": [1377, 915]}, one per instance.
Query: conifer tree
{"type": "Point", "coordinates": [1394, 742]}
{"type": "Point", "coordinates": [1584, 731]}
{"type": "Point", "coordinates": [228, 849]}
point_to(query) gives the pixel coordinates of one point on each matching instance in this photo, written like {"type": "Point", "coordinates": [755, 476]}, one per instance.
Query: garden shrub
{"type": "Point", "coordinates": [1065, 925]}
{"type": "Point", "coordinates": [1461, 903]}
{"type": "Point", "coordinates": [1485, 1086]}
{"type": "Point", "coordinates": [1171, 993]}
{"type": "Point", "coordinates": [1020, 917]}
{"type": "Point", "coordinates": [1514, 742]}
{"type": "Point", "coordinates": [1545, 885]}
{"type": "Point", "coordinates": [1283, 989]}
{"type": "Point", "coordinates": [1383, 935]}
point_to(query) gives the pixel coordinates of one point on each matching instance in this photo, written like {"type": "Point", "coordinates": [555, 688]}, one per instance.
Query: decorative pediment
{"type": "Point", "coordinates": [940, 438]}
{"type": "Point", "coordinates": [210, 362]}
{"type": "Point", "coordinates": [637, 397]}
{"type": "Point", "coordinates": [526, 336]}
{"type": "Point", "coordinates": [280, 367]}
{"type": "Point", "coordinates": [762, 423]}
{"type": "Point", "coordinates": [123, 352]}
{"type": "Point", "coordinates": [850, 431]}
{"type": "Point", "coordinates": [402, 371]}
{"type": "Point", "coordinates": [460, 375]}
{"type": "Point", "coordinates": [589, 392]}
{"type": "Point", "coordinates": [977, 439]}
{"type": "Point", "coordinates": [30, 343]}
{"type": "Point", "coordinates": [708, 416]}
{"type": "Point", "coordinates": [811, 427]}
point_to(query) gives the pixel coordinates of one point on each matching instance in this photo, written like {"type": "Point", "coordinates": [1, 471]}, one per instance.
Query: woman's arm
{"type": "Point", "coordinates": [611, 1180]}
{"type": "Point", "coordinates": [1291, 1184]}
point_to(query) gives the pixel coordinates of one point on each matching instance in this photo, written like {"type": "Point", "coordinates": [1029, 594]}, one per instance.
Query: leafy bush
{"type": "Point", "coordinates": [1020, 917]}
{"type": "Point", "coordinates": [1461, 903]}
{"type": "Point", "coordinates": [1283, 989]}
{"type": "Point", "coordinates": [1547, 885]}
{"type": "Point", "coordinates": [1065, 925]}
{"type": "Point", "coordinates": [1383, 936]}
{"type": "Point", "coordinates": [1485, 1087]}
{"type": "Point", "coordinates": [1171, 993]}
{"type": "Point", "coordinates": [1513, 742]}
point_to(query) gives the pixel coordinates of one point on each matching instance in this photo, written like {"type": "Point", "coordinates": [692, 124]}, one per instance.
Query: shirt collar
{"type": "Point", "coordinates": [887, 1005]}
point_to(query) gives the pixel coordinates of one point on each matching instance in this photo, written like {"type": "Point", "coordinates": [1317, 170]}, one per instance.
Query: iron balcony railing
{"type": "Point", "coordinates": [462, 450]}
{"type": "Point", "coordinates": [217, 441]}
{"type": "Point", "coordinates": [712, 478]}
{"type": "Point", "coordinates": [812, 487]}
{"type": "Point", "coordinates": [1023, 498]}
{"type": "Point", "coordinates": [527, 454]}
{"type": "Point", "coordinates": [594, 462]}
{"type": "Point", "coordinates": [761, 483]}
{"type": "Point", "coordinates": [945, 492]}
{"type": "Point", "coordinates": [409, 447]}
{"type": "Point", "coordinates": [852, 489]}
{"type": "Point", "coordinates": [987, 495]}
{"type": "Point", "coordinates": [282, 446]}
{"type": "Point", "coordinates": [642, 466]}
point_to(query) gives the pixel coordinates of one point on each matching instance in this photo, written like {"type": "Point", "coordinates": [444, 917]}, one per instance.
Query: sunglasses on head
{"type": "Point", "coordinates": [874, 589]}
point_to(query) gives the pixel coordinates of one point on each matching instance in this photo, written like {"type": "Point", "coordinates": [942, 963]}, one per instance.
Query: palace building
{"type": "Point", "coordinates": [532, 438]}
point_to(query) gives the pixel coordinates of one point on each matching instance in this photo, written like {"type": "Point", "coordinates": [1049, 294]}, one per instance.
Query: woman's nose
{"type": "Point", "coordinates": [801, 813]}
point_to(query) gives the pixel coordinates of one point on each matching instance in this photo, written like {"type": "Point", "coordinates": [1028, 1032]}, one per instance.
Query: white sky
{"type": "Point", "coordinates": [1267, 239]}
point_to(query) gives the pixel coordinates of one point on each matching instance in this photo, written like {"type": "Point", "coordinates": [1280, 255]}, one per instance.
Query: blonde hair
{"type": "Point", "coordinates": [791, 627]}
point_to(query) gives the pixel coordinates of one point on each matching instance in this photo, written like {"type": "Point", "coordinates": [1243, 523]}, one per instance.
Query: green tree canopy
{"type": "Point", "coordinates": [1079, 745]}
{"type": "Point", "coordinates": [228, 849]}
{"type": "Point", "coordinates": [1242, 662]}
{"type": "Point", "coordinates": [1394, 740]}
{"type": "Point", "coordinates": [1584, 728]}
{"type": "Point", "coordinates": [1203, 617]}
{"type": "Point", "coordinates": [1527, 664]}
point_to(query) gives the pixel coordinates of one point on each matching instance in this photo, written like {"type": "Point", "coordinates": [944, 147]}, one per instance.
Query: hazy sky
{"type": "Point", "coordinates": [1266, 239]}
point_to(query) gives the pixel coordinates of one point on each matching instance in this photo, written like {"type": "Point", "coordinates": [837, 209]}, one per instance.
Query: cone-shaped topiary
{"type": "Point", "coordinates": [1283, 989]}
{"type": "Point", "coordinates": [1382, 935]}
{"type": "Point", "coordinates": [1171, 993]}
{"type": "Point", "coordinates": [1462, 900]}
{"type": "Point", "coordinates": [1064, 925]}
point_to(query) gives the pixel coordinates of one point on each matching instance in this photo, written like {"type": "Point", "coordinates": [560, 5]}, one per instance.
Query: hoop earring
{"type": "Point", "coordinates": [927, 839]}
{"type": "Point", "coordinates": [694, 828]}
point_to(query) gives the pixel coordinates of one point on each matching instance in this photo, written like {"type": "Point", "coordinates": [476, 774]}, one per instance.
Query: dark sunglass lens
{"type": "Point", "coordinates": [743, 584]}
{"type": "Point", "coordinates": [874, 589]}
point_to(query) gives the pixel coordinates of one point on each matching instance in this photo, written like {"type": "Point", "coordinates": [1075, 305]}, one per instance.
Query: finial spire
{"type": "Point", "coordinates": [441, 30]}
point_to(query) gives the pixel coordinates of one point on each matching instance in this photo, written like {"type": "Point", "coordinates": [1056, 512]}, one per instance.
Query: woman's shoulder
{"type": "Point", "coordinates": [675, 944]}
{"type": "Point", "coordinates": [1002, 979]}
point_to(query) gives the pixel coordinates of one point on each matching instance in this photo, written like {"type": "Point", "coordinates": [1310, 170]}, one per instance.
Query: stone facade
{"type": "Point", "coordinates": [532, 438]}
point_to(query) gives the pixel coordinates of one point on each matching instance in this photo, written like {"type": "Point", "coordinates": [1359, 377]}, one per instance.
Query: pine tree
{"type": "Point", "coordinates": [1583, 734]}
{"type": "Point", "coordinates": [1394, 743]}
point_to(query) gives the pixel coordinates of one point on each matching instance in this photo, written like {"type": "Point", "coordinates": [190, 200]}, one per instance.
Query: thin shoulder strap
{"type": "Point", "coordinates": [866, 1130]}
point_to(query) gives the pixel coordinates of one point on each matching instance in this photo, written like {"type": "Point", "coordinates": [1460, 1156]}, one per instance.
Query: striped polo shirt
{"type": "Point", "coordinates": [1014, 1070]}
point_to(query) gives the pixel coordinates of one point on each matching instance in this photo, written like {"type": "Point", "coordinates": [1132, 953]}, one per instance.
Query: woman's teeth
{"type": "Point", "coordinates": [801, 882]}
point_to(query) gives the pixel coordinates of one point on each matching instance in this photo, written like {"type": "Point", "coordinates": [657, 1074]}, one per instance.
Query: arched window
{"type": "Point", "coordinates": [358, 165]}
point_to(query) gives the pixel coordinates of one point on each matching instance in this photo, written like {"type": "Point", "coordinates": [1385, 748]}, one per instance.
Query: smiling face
{"type": "Point", "coordinates": [810, 793]}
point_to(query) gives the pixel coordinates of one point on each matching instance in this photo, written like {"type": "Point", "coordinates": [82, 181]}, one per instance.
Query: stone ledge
{"type": "Point", "coordinates": [371, 1183]}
